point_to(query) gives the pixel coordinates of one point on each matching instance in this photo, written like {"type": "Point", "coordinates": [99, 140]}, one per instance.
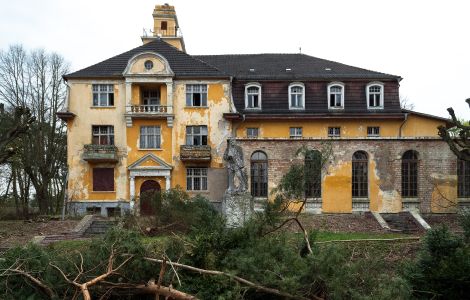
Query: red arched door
{"type": "Point", "coordinates": [147, 193]}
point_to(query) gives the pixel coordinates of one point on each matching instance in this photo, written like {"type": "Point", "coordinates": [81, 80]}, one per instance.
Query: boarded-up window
{"type": "Point", "coordinates": [103, 179]}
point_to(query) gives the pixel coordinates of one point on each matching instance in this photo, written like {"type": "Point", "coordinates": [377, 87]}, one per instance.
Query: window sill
{"type": "Point", "coordinates": [336, 108]}
{"type": "Point", "coordinates": [375, 108]}
{"type": "Point", "coordinates": [260, 198]}
{"type": "Point", "coordinates": [102, 107]}
{"type": "Point", "coordinates": [362, 200]}
{"type": "Point", "coordinates": [413, 200]}
{"type": "Point", "coordinates": [314, 199]}
{"type": "Point", "coordinates": [150, 149]}
{"type": "Point", "coordinates": [198, 191]}
{"type": "Point", "coordinates": [252, 108]}
{"type": "Point", "coordinates": [296, 108]}
{"type": "Point", "coordinates": [108, 192]}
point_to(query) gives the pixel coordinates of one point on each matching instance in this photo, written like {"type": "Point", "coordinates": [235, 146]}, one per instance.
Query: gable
{"type": "Point", "coordinates": [136, 65]}
{"type": "Point", "coordinates": [150, 161]}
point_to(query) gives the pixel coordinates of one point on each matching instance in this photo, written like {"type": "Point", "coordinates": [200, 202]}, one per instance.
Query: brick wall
{"type": "Point", "coordinates": [435, 160]}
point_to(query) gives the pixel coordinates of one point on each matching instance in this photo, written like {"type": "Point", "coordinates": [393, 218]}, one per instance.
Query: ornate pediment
{"type": "Point", "coordinates": [148, 64]}
{"type": "Point", "coordinates": [149, 162]}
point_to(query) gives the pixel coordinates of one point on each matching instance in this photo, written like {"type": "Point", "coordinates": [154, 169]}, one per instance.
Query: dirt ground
{"type": "Point", "coordinates": [449, 220]}
{"type": "Point", "coordinates": [342, 223]}
{"type": "Point", "coordinates": [21, 232]}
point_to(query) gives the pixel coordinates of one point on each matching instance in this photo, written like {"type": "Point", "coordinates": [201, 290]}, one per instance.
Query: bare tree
{"type": "Point", "coordinates": [405, 103]}
{"type": "Point", "coordinates": [459, 139]}
{"type": "Point", "coordinates": [34, 80]}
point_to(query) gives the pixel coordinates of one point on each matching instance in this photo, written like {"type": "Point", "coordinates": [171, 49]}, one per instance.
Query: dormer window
{"type": "Point", "coordinates": [296, 96]}
{"type": "Point", "coordinates": [375, 95]}
{"type": "Point", "coordinates": [253, 96]}
{"type": "Point", "coordinates": [336, 95]}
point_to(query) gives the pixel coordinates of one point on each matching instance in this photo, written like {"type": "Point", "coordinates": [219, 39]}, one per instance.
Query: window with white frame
{"type": "Point", "coordinates": [196, 95]}
{"type": "Point", "coordinates": [102, 135]}
{"type": "Point", "coordinates": [196, 135]}
{"type": "Point", "coordinates": [373, 131]}
{"type": "Point", "coordinates": [103, 94]}
{"type": "Point", "coordinates": [150, 137]}
{"type": "Point", "coordinates": [296, 96]}
{"type": "Point", "coordinates": [375, 95]}
{"type": "Point", "coordinates": [334, 131]}
{"type": "Point", "coordinates": [253, 96]}
{"type": "Point", "coordinates": [336, 95]}
{"type": "Point", "coordinates": [252, 133]}
{"type": "Point", "coordinates": [295, 132]}
{"type": "Point", "coordinates": [196, 179]}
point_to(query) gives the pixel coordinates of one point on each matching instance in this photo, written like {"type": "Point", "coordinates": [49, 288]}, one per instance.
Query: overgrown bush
{"type": "Point", "coordinates": [442, 269]}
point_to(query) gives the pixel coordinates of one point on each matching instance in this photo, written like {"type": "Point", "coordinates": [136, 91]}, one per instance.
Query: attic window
{"type": "Point", "coordinates": [252, 70]}
{"type": "Point", "coordinates": [148, 64]}
{"type": "Point", "coordinates": [327, 69]}
{"type": "Point", "coordinates": [288, 69]}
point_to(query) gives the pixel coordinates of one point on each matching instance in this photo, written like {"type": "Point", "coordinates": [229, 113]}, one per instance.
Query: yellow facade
{"type": "Point", "coordinates": [133, 166]}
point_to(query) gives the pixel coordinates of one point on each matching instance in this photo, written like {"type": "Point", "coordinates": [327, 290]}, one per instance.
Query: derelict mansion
{"type": "Point", "coordinates": [155, 118]}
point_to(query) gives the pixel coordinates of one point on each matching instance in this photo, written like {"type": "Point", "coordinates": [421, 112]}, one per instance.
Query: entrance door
{"type": "Point", "coordinates": [148, 189]}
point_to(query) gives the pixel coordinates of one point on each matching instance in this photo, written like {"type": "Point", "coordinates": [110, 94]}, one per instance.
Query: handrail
{"type": "Point", "coordinates": [148, 108]}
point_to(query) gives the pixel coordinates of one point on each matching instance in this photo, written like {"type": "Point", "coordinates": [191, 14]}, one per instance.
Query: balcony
{"type": "Point", "coordinates": [100, 153]}
{"type": "Point", "coordinates": [148, 112]}
{"type": "Point", "coordinates": [200, 153]}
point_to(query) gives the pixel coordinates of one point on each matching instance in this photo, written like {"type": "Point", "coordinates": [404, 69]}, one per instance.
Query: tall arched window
{"type": "Point", "coordinates": [313, 174]}
{"type": "Point", "coordinates": [409, 174]}
{"type": "Point", "coordinates": [259, 174]}
{"type": "Point", "coordinates": [253, 96]}
{"type": "Point", "coordinates": [296, 96]}
{"type": "Point", "coordinates": [360, 175]}
{"type": "Point", "coordinates": [336, 95]}
{"type": "Point", "coordinates": [375, 95]}
{"type": "Point", "coordinates": [463, 178]}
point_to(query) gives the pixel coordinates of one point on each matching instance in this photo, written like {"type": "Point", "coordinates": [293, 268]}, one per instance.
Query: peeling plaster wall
{"type": "Point", "coordinates": [218, 101]}
{"type": "Point", "coordinates": [79, 133]}
{"type": "Point", "coordinates": [437, 170]}
{"type": "Point", "coordinates": [415, 126]}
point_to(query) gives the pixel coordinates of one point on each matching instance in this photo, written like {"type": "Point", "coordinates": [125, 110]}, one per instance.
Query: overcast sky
{"type": "Point", "coordinates": [425, 42]}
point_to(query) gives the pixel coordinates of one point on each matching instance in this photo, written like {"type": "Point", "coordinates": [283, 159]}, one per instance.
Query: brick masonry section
{"type": "Point", "coordinates": [435, 161]}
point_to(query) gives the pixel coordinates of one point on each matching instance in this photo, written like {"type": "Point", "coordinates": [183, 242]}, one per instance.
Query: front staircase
{"type": "Point", "coordinates": [402, 222]}
{"type": "Point", "coordinates": [98, 227]}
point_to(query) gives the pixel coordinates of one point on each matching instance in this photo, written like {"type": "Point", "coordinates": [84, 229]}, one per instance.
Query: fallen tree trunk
{"type": "Point", "coordinates": [233, 277]}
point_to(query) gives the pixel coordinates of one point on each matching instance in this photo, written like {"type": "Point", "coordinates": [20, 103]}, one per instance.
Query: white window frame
{"type": "Point", "coordinates": [373, 134]}
{"type": "Point", "coordinates": [372, 84]}
{"type": "Point", "coordinates": [200, 89]}
{"type": "Point", "coordinates": [191, 176]}
{"type": "Point", "coordinates": [249, 85]}
{"type": "Point", "coordinates": [331, 85]}
{"type": "Point", "coordinates": [102, 89]}
{"type": "Point", "coordinates": [252, 129]}
{"type": "Point", "coordinates": [292, 85]}
{"type": "Point", "coordinates": [145, 136]}
{"type": "Point", "coordinates": [295, 133]}
{"type": "Point", "coordinates": [334, 134]}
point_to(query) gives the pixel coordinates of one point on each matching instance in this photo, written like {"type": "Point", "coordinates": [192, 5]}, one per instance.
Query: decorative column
{"type": "Point", "coordinates": [169, 103]}
{"type": "Point", "coordinates": [168, 184]}
{"type": "Point", "coordinates": [128, 103]}
{"type": "Point", "coordinates": [132, 191]}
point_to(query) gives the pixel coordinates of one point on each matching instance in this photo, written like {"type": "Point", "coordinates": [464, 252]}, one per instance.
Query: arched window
{"type": "Point", "coordinates": [375, 95]}
{"type": "Point", "coordinates": [360, 175]}
{"type": "Point", "coordinates": [313, 174]}
{"type": "Point", "coordinates": [409, 174]}
{"type": "Point", "coordinates": [296, 96]}
{"type": "Point", "coordinates": [463, 178]}
{"type": "Point", "coordinates": [259, 174]}
{"type": "Point", "coordinates": [253, 96]}
{"type": "Point", "coordinates": [336, 95]}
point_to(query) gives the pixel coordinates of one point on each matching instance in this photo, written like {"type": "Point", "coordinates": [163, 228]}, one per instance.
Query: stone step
{"type": "Point", "coordinates": [401, 222]}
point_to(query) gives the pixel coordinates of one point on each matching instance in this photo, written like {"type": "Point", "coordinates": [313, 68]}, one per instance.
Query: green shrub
{"type": "Point", "coordinates": [442, 269]}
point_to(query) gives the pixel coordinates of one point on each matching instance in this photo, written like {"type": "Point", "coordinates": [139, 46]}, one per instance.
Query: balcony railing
{"type": "Point", "coordinates": [149, 109]}
{"type": "Point", "coordinates": [167, 32]}
{"type": "Point", "coordinates": [100, 153]}
{"type": "Point", "coordinates": [199, 153]}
